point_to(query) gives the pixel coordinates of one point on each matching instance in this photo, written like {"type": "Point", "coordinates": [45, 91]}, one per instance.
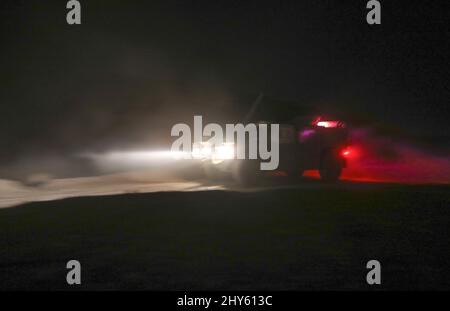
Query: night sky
{"type": "Point", "coordinates": [133, 68]}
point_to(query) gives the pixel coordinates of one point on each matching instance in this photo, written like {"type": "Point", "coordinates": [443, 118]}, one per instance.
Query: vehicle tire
{"type": "Point", "coordinates": [247, 173]}
{"type": "Point", "coordinates": [330, 167]}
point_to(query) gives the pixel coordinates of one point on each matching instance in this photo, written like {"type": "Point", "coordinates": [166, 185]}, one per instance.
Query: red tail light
{"type": "Point", "coordinates": [349, 152]}
{"type": "Point", "coordinates": [328, 123]}
{"type": "Point", "coordinates": [345, 153]}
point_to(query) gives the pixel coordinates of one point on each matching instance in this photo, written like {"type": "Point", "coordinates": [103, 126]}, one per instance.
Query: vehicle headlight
{"type": "Point", "coordinates": [202, 150]}
{"type": "Point", "coordinates": [223, 152]}
{"type": "Point", "coordinates": [216, 153]}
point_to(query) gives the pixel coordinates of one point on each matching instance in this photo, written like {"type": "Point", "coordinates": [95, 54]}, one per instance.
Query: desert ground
{"type": "Point", "coordinates": [195, 235]}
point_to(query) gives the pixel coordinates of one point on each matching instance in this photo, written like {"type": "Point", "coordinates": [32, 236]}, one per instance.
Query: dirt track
{"type": "Point", "coordinates": [292, 237]}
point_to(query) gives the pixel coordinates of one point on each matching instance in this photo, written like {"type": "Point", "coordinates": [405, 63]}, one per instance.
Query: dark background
{"type": "Point", "coordinates": [134, 68]}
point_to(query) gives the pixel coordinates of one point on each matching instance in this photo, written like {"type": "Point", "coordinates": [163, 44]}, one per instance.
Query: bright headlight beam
{"type": "Point", "coordinates": [224, 152]}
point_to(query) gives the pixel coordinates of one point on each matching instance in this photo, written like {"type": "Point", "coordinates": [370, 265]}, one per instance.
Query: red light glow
{"type": "Point", "coordinates": [375, 158]}
{"type": "Point", "coordinates": [327, 124]}
{"type": "Point", "coordinates": [347, 153]}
